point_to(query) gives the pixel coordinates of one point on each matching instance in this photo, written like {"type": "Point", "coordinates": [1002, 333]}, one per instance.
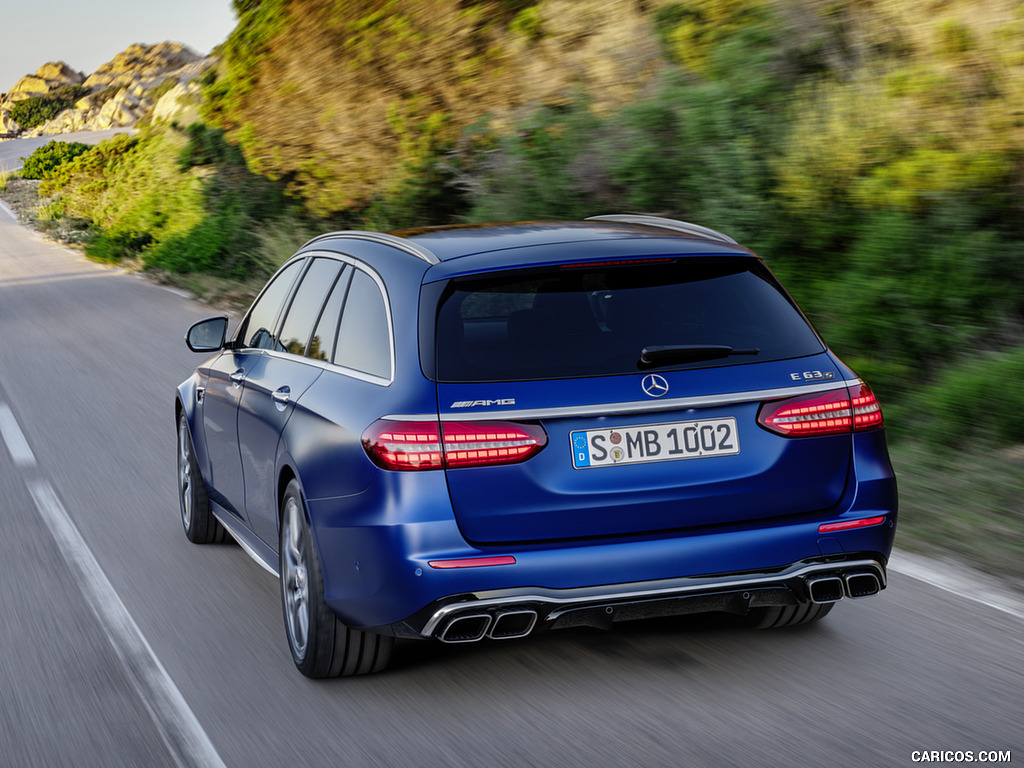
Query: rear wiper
{"type": "Point", "coordinates": [652, 357]}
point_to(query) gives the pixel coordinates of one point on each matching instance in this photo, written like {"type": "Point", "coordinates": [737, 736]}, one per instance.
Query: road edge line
{"type": "Point", "coordinates": [959, 580]}
{"type": "Point", "coordinates": [179, 728]}
{"type": "Point", "coordinates": [14, 438]}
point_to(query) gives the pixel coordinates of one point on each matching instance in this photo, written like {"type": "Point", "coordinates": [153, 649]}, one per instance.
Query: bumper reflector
{"type": "Point", "coordinates": [473, 562]}
{"type": "Point", "coordinates": [849, 525]}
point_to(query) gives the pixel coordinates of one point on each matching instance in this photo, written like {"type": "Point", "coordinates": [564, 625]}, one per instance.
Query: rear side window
{"type": "Point", "coordinates": [307, 304]}
{"type": "Point", "coordinates": [364, 339]}
{"type": "Point", "coordinates": [321, 347]}
{"type": "Point", "coordinates": [595, 321]}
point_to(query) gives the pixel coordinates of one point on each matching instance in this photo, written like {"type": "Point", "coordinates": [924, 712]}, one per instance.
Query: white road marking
{"type": "Point", "coordinates": [7, 210]}
{"type": "Point", "coordinates": [181, 732]}
{"type": "Point", "coordinates": [960, 581]}
{"type": "Point", "coordinates": [17, 445]}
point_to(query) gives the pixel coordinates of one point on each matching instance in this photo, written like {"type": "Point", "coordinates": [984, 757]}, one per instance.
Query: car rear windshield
{"type": "Point", "coordinates": [598, 320]}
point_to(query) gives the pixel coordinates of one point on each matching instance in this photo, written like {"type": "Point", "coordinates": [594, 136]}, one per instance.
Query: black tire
{"type": "Point", "coordinates": [321, 645]}
{"type": "Point", "coordinates": [201, 527]}
{"type": "Point", "coordinates": [779, 616]}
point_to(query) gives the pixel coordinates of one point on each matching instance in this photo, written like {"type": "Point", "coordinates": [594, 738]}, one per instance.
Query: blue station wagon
{"type": "Point", "coordinates": [486, 431]}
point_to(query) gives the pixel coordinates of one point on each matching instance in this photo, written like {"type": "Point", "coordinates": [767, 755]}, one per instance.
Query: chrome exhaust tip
{"type": "Point", "coordinates": [512, 624]}
{"type": "Point", "coordinates": [862, 584]}
{"type": "Point", "coordinates": [466, 629]}
{"type": "Point", "coordinates": [825, 589]}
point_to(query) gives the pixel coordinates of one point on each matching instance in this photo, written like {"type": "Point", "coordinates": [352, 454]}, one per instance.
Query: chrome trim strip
{"type": "Point", "coordinates": [635, 406]}
{"type": "Point", "coordinates": [674, 224]}
{"type": "Point", "coordinates": [381, 238]}
{"type": "Point", "coordinates": [228, 526]}
{"type": "Point", "coordinates": [327, 366]}
{"type": "Point", "coordinates": [567, 599]}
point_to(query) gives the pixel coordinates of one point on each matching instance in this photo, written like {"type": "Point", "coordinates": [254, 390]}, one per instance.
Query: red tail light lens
{"type": "Point", "coordinates": [417, 445]}
{"type": "Point", "coordinates": [404, 444]}
{"type": "Point", "coordinates": [476, 444]}
{"type": "Point", "coordinates": [838, 411]}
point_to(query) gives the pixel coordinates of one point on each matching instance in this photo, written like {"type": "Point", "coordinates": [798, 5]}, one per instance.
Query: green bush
{"type": "Point", "coordinates": [34, 111]}
{"type": "Point", "coordinates": [37, 110]}
{"type": "Point", "coordinates": [47, 159]}
{"type": "Point", "coordinates": [978, 399]}
{"type": "Point", "coordinates": [919, 291]}
{"type": "Point", "coordinates": [548, 168]}
{"type": "Point", "coordinates": [177, 201]}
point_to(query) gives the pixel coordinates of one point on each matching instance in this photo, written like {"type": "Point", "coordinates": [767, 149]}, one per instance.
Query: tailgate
{"type": "Point", "coordinates": [619, 462]}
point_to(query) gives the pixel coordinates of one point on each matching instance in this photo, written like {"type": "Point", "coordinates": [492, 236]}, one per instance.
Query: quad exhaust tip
{"type": "Point", "coordinates": [512, 624]}
{"type": "Point", "coordinates": [830, 589]}
{"type": "Point", "coordinates": [862, 584]}
{"type": "Point", "coordinates": [466, 629]}
{"type": "Point", "coordinates": [825, 589]}
{"type": "Point", "coordinates": [505, 625]}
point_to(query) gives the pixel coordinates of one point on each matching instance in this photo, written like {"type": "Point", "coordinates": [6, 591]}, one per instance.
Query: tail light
{"type": "Point", "coordinates": [413, 445]}
{"type": "Point", "coordinates": [838, 411]}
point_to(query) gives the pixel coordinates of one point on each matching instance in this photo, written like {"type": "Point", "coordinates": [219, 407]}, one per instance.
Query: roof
{"type": "Point", "coordinates": [456, 241]}
{"type": "Point", "coordinates": [476, 246]}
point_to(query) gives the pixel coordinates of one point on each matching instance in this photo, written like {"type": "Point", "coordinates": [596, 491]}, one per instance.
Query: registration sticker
{"type": "Point", "coordinates": [654, 442]}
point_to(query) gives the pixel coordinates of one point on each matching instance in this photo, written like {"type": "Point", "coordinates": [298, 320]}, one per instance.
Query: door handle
{"type": "Point", "coordinates": [238, 377]}
{"type": "Point", "coordinates": [281, 397]}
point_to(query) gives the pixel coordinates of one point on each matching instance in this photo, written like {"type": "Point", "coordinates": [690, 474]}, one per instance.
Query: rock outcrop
{"type": "Point", "coordinates": [51, 75]}
{"type": "Point", "coordinates": [121, 90]}
{"type": "Point", "coordinates": [145, 66]}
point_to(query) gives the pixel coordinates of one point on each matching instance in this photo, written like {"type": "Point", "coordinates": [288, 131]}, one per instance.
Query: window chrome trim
{"type": "Point", "coordinates": [381, 238]}
{"type": "Point", "coordinates": [634, 406]}
{"type": "Point", "coordinates": [327, 365]}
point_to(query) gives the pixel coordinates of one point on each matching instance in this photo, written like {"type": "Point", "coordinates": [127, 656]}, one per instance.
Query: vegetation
{"type": "Point", "coordinates": [179, 200]}
{"type": "Point", "coordinates": [872, 153]}
{"type": "Point", "coordinates": [37, 110]}
{"type": "Point", "coordinates": [47, 159]}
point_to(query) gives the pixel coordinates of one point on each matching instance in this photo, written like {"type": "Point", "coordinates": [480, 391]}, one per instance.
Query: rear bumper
{"type": "Point", "coordinates": [507, 613]}
{"type": "Point", "coordinates": [376, 551]}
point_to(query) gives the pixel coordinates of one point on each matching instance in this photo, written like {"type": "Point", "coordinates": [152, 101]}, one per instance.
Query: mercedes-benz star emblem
{"type": "Point", "coordinates": [654, 385]}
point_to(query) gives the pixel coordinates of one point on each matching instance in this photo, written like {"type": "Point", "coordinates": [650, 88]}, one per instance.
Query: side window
{"type": "Point", "coordinates": [322, 345]}
{"type": "Point", "coordinates": [364, 340]}
{"type": "Point", "coordinates": [258, 331]}
{"type": "Point", "coordinates": [305, 307]}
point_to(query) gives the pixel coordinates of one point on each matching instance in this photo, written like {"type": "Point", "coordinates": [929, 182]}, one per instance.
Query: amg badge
{"type": "Point", "coordinates": [484, 403]}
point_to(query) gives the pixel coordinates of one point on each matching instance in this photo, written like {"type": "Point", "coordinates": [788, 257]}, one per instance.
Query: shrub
{"type": "Point", "coordinates": [45, 161]}
{"type": "Point", "coordinates": [978, 399]}
{"type": "Point", "coordinates": [37, 110]}
{"type": "Point", "coordinates": [34, 111]}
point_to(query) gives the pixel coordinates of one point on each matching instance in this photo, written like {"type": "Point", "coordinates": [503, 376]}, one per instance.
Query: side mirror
{"type": "Point", "coordinates": [207, 335]}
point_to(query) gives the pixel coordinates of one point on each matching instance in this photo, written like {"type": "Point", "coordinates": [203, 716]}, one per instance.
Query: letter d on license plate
{"type": "Point", "coordinates": [654, 442]}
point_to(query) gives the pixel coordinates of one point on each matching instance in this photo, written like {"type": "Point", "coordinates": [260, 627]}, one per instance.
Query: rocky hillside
{"type": "Point", "coordinates": [139, 79]}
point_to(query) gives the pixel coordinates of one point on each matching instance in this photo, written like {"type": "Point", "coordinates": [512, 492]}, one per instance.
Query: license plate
{"type": "Point", "coordinates": [654, 442]}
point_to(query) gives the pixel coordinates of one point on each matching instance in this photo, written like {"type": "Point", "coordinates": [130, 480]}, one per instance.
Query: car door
{"type": "Point", "coordinates": [272, 386]}
{"type": "Point", "coordinates": [226, 384]}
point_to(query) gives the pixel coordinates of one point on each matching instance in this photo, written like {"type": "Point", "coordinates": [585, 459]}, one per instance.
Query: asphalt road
{"type": "Point", "coordinates": [14, 151]}
{"type": "Point", "coordinates": [127, 646]}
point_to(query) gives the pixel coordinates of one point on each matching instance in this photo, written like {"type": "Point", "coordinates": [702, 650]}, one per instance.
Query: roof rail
{"type": "Point", "coordinates": [383, 238]}
{"type": "Point", "coordinates": [658, 221]}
